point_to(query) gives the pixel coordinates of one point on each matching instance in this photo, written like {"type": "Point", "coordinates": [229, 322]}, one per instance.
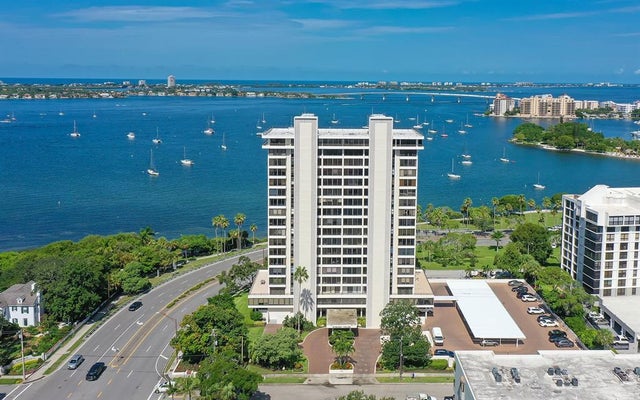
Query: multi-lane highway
{"type": "Point", "coordinates": [133, 344]}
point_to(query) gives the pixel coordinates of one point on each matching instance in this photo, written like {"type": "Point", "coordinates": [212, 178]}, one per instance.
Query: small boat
{"type": "Point", "coordinates": [213, 120]}
{"type": "Point", "coordinates": [432, 131]}
{"type": "Point", "coordinates": [131, 135]}
{"type": "Point", "coordinates": [429, 138]}
{"type": "Point", "coordinates": [75, 132]}
{"type": "Point", "coordinates": [152, 171]}
{"type": "Point", "coordinates": [433, 98]}
{"type": "Point", "coordinates": [466, 162]}
{"type": "Point", "coordinates": [407, 99]}
{"type": "Point", "coordinates": [468, 125]}
{"type": "Point", "coordinates": [537, 185]}
{"type": "Point", "coordinates": [94, 114]}
{"type": "Point", "coordinates": [466, 156]}
{"type": "Point", "coordinates": [334, 120]}
{"type": "Point", "coordinates": [396, 120]}
{"type": "Point", "coordinates": [444, 133]}
{"type": "Point", "coordinates": [157, 139]}
{"type": "Point", "coordinates": [452, 174]}
{"type": "Point", "coordinates": [418, 125]}
{"type": "Point", "coordinates": [635, 135]}
{"type": "Point", "coordinates": [504, 158]}
{"type": "Point", "coordinates": [462, 131]}
{"type": "Point", "coordinates": [448, 121]}
{"type": "Point", "coordinates": [209, 130]}
{"type": "Point", "coordinates": [60, 113]}
{"type": "Point", "coordinates": [185, 161]}
{"type": "Point", "coordinates": [264, 121]}
{"type": "Point", "coordinates": [223, 146]}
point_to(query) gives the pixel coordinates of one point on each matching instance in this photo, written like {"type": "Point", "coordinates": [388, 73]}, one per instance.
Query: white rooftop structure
{"type": "Point", "coordinates": [625, 308]}
{"type": "Point", "coordinates": [482, 310]}
{"type": "Point", "coordinates": [593, 371]}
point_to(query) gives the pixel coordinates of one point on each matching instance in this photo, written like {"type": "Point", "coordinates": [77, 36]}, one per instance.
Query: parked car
{"type": "Point", "coordinates": [520, 288]}
{"type": "Point", "coordinates": [535, 310]}
{"type": "Point", "coordinates": [95, 371]}
{"type": "Point", "coordinates": [545, 318]}
{"type": "Point", "coordinates": [443, 352]}
{"type": "Point", "coordinates": [515, 282]}
{"type": "Point", "coordinates": [565, 343]}
{"type": "Point", "coordinates": [486, 342]}
{"type": "Point", "coordinates": [164, 386]}
{"type": "Point", "coordinates": [420, 396]}
{"type": "Point", "coordinates": [528, 297]}
{"type": "Point", "coordinates": [135, 305]}
{"type": "Point", "coordinates": [557, 332]}
{"type": "Point", "coordinates": [556, 338]}
{"type": "Point", "coordinates": [75, 361]}
{"type": "Point", "coordinates": [547, 323]}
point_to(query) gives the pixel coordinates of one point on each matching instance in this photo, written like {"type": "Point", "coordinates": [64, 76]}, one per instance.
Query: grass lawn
{"type": "Point", "coordinates": [10, 381]}
{"type": "Point", "coordinates": [284, 379]}
{"type": "Point", "coordinates": [485, 256]}
{"type": "Point", "coordinates": [406, 378]}
{"type": "Point", "coordinates": [502, 222]}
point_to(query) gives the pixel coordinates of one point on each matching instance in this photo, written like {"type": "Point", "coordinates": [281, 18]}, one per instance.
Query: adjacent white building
{"type": "Point", "coordinates": [21, 304]}
{"type": "Point", "coordinates": [341, 204]}
{"type": "Point", "coordinates": [171, 81]}
{"type": "Point", "coordinates": [600, 249]}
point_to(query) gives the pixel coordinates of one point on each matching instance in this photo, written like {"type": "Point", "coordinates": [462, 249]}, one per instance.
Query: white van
{"type": "Point", "coordinates": [438, 338]}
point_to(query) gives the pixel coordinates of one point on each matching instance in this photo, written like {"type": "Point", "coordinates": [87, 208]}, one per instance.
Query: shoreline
{"type": "Point", "coordinates": [609, 154]}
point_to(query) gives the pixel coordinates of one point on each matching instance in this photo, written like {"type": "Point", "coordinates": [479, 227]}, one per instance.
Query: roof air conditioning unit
{"type": "Point", "coordinates": [574, 381]}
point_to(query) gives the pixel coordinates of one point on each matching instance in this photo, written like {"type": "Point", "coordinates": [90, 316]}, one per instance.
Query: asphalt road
{"type": "Point", "coordinates": [133, 344]}
{"type": "Point", "coordinates": [330, 392]}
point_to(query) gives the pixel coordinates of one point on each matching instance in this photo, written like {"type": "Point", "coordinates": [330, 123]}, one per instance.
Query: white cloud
{"type": "Point", "coordinates": [314, 24]}
{"type": "Point", "coordinates": [388, 30]}
{"type": "Point", "coordinates": [619, 71]}
{"type": "Point", "coordinates": [387, 5]}
{"type": "Point", "coordinates": [137, 14]}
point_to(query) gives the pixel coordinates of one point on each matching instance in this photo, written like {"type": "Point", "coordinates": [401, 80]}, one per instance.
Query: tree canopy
{"type": "Point", "coordinates": [533, 239]}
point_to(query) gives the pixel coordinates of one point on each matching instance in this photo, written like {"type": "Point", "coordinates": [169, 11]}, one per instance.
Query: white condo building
{"type": "Point", "coordinates": [171, 81]}
{"type": "Point", "coordinates": [341, 204]}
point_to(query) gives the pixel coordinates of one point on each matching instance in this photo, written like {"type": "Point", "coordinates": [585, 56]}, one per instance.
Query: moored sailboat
{"type": "Point", "coordinates": [152, 170]}
{"type": "Point", "coordinates": [75, 132]}
{"type": "Point", "coordinates": [187, 162]}
{"type": "Point", "coordinates": [537, 185]}
{"type": "Point", "coordinates": [452, 174]}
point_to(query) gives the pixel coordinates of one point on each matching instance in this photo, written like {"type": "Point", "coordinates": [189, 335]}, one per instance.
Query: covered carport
{"type": "Point", "coordinates": [342, 318]}
{"type": "Point", "coordinates": [483, 313]}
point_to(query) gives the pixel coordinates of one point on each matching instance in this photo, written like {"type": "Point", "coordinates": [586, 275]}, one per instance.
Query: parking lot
{"type": "Point", "coordinates": [458, 337]}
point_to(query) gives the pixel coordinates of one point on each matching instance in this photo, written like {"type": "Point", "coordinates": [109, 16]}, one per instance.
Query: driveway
{"type": "Point", "coordinates": [320, 355]}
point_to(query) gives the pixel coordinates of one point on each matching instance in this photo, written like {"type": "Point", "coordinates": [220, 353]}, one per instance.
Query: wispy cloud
{"type": "Point", "coordinates": [636, 72]}
{"type": "Point", "coordinates": [626, 34]}
{"type": "Point", "coordinates": [389, 5]}
{"type": "Point", "coordinates": [137, 14]}
{"type": "Point", "coordinates": [387, 30]}
{"type": "Point", "coordinates": [576, 14]}
{"type": "Point", "coordinates": [316, 24]}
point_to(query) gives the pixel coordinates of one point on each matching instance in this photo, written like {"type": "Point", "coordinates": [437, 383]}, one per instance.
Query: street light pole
{"type": "Point", "coordinates": [22, 351]}
{"type": "Point", "coordinates": [401, 356]}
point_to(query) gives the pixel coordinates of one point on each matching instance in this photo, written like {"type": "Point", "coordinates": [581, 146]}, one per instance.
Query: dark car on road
{"type": "Point", "coordinates": [443, 352]}
{"type": "Point", "coordinates": [95, 371]}
{"type": "Point", "coordinates": [135, 305]}
{"type": "Point", "coordinates": [557, 332]}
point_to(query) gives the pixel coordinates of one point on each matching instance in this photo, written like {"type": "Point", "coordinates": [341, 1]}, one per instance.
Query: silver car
{"type": "Point", "coordinates": [75, 361]}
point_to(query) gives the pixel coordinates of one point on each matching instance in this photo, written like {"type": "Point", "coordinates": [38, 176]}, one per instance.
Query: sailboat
{"type": "Point", "coordinates": [444, 131]}
{"type": "Point", "coordinates": [213, 120]}
{"type": "Point", "coordinates": [396, 120]}
{"type": "Point", "coordinates": [223, 146]}
{"type": "Point", "coordinates": [185, 161]}
{"type": "Point", "coordinates": [209, 130]}
{"type": "Point", "coordinates": [75, 132]}
{"type": "Point", "coordinates": [462, 131]}
{"type": "Point", "coordinates": [537, 185]}
{"type": "Point", "coordinates": [468, 125]}
{"type": "Point", "coordinates": [264, 121]}
{"type": "Point", "coordinates": [504, 158]}
{"type": "Point", "coordinates": [418, 125]}
{"type": "Point", "coordinates": [431, 130]}
{"type": "Point", "coordinates": [131, 135]}
{"type": "Point", "coordinates": [94, 114]}
{"type": "Point", "coordinates": [334, 120]}
{"type": "Point", "coordinates": [452, 174]}
{"type": "Point", "coordinates": [152, 171]}
{"type": "Point", "coordinates": [157, 139]}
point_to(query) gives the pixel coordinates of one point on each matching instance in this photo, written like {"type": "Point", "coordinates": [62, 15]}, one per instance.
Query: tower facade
{"type": "Point", "coordinates": [342, 206]}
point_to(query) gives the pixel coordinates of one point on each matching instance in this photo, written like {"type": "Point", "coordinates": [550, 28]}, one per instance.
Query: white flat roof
{"type": "Point", "coordinates": [485, 315]}
{"type": "Point", "coordinates": [624, 308]}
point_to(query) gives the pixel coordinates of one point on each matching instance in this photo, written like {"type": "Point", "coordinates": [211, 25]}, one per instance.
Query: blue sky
{"type": "Point", "coordinates": [406, 40]}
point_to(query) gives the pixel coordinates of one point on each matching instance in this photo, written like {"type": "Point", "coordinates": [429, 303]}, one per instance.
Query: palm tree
{"type": "Point", "coordinates": [217, 223]}
{"type": "Point", "coordinates": [300, 275]}
{"type": "Point", "coordinates": [342, 345]}
{"type": "Point", "coordinates": [146, 235]}
{"type": "Point", "coordinates": [495, 202]}
{"type": "Point", "coordinates": [187, 385]}
{"type": "Point", "coordinates": [466, 204]}
{"type": "Point", "coordinates": [497, 236]}
{"type": "Point", "coordinates": [224, 224]}
{"type": "Point", "coordinates": [239, 220]}
{"type": "Point", "coordinates": [531, 203]}
{"type": "Point", "coordinates": [253, 228]}
{"type": "Point", "coordinates": [522, 201]}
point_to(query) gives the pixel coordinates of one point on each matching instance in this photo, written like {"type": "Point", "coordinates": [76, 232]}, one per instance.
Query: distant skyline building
{"type": "Point", "coordinates": [547, 106]}
{"type": "Point", "coordinates": [341, 204]}
{"type": "Point", "coordinates": [502, 104]}
{"type": "Point", "coordinates": [171, 81]}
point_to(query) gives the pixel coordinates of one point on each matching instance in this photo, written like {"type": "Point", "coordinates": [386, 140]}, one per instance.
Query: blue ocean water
{"type": "Point", "coordinates": [55, 187]}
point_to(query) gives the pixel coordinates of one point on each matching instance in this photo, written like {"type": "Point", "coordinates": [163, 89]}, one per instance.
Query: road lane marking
{"type": "Point", "coordinates": [129, 374]}
{"type": "Point", "coordinates": [160, 294]}
{"type": "Point", "coordinates": [73, 373]}
{"type": "Point", "coordinates": [69, 395]}
{"type": "Point", "coordinates": [163, 356]}
{"type": "Point", "coordinates": [116, 328]}
{"type": "Point", "coordinates": [110, 380]}
{"type": "Point", "coordinates": [96, 348]}
{"type": "Point", "coordinates": [22, 391]}
{"type": "Point", "coordinates": [148, 348]}
{"type": "Point", "coordinates": [99, 395]}
{"type": "Point", "coordinates": [165, 328]}
{"type": "Point", "coordinates": [79, 382]}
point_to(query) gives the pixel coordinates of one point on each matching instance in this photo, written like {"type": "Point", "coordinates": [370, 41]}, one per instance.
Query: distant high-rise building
{"type": "Point", "coordinates": [171, 81]}
{"type": "Point", "coordinates": [341, 204]}
{"type": "Point", "coordinates": [142, 82]}
{"type": "Point", "coordinates": [547, 106]}
{"type": "Point", "coordinates": [503, 103]}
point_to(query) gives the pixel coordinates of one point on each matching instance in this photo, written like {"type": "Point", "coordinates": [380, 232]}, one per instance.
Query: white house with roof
{"type": "Point", "coordinates": [22, 304]}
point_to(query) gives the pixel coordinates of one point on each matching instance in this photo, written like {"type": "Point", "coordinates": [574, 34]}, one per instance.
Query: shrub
{"type": "Point", "coordinates": [439, 364]}
{"type": "Point", "coordinates": [28, 366]}
{"type": "Point", "coordinates": [297, 319]}
{"type": "Point", "coordinates": [321, 322]}
{"type": "Point", "coordinates": [255, 315]}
